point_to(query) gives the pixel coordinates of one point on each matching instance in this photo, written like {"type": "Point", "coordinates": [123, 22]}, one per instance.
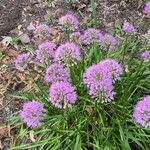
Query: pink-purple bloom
{"type": "Point", "coordinates": [91, 35]}
{"type": "Point", "coordinates": [99, 83]}
{"type": "Point", "coordinates": [114, 67]}
{"type": "Point", "coordinates": [45, 52]}
{"type": "Point", "coordinates": [62, 95]}
{"type": "Point", "coordinates": [109, 40]}
{"type": "Point", "coordinates": [22, 62]}
{"type": "Point", "coordinates": [141, 112]}
{"type": "Point", "coordinates": [147, 9]}
{"type": "Point", "coordinates": [128, 27]}
{"type": "Point", "coordinates": [146, 55]}
{"type": "Point", "coordinates": [68, 54]}
{"type": "Point", "coordinates": [42, 32]}
{"type": "Point", "coordinates": [32, 113]}
{"type": "Point", "coordinates": [55, 73]}
{"type": "Point", "coordinates": [43, 29]}
{"type": "Point", "coordinates": [69, 21]}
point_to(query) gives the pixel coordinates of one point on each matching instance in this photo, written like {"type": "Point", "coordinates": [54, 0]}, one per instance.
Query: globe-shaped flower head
{"type": "Point", "coordinates": [68, 54]}
{"type": "Point", "coordinates": [146, 55]}
{"type": "Point", "coordinates": [22, 62]}
{"type": "Point", "coordinates": [108, 39]}
{"type": "Point", "coordinates": [128, 27]}
{"type": "Point", "coordinates": [142, 112]}
{"type": "Point", "coordinates": [42, 32]}
{"type": "Point", "coordinates": [91, 35]}
{"type": "Point", "coordinates": [99, 83]}
{"type": "Point", "coordinates": [113, 67]}
{"type": "Point", "coordinates": [45, 53]}
{"type": "Point", "coordinates": [32, 113]}
{"type": "Point", "coordinates": [55, 73]}
{"type": "Point", "coordinates": [75, 37]}
{"type": "Point", "coordinates": [147, 9]}
{"type": "Point", "coordinates": [69, 22]}
{"type": "Point", "coordinates": [62, 95]}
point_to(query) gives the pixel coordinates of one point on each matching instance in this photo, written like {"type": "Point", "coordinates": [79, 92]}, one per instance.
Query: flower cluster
{"type": "Point", "coordinates": [109, 42]}
{"type": "Point", "coordinates": [68, 54]}
{"type": "Point", "coordinates": [45, 52]}
{"type": "Point", "coordinates": [99, 79]}
{"type": "Point", "coordinates": [91, 35]}
{"type": "Point", "coordinates": [32, 113]}
{"type": "Point", "coordinates": [128, 27]}
{"type": "Point", "coordinates": [75, 36]}
{"type": "Point", "coordinates": [108, 39]}
{"type": "Point", "coordinates": [142, 112]}
{"type": "Point", "coordinates": [62, 95]}
{"type": "Point", "coordinates": [114, 67]}
{"type": "Point", "coordinates": [146, 55]}
{"type": "Point", "coordinates": [22, 61]}
{"type": "Point", "coordinates": [69, 21]}
{"type": "Point", "coordinates": [99, 83]}
{"type": "Point", "coordinates": [56, 73]}
{"type": "Point", "coordinates": [147, 9]}
{"type": "Point", "coordinates": [42, 32]}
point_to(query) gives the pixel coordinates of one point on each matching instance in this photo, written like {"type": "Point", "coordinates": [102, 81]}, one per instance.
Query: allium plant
{"type": "Point", "coordinates": [62, 95]}
{"type": "Point", "coordinates": [146, 55]}
{"type": "Point", "coordinates": [114, 67]}
{"type": "Point", "coordinates": [88, 105]}
{"type": "Point", "coordinates": [69, 22]}
{"type": "Point", "coordinates": [32, 113]}
{"type": "Point", "coordinates": [45, 53]}
{"type": "Point", "coordinates": [142, 112]}
{"type": "Point", "coordinates": [128, 27]}
{"type": "Point", "coordinates": [68, 54]}
{"type": "Point", "coordinates": [91, 36]}
{"type": "Point", "coordinates": [56, 72]}
{"type": "Point", "coordinates": [109, 42]}
{"type": "Point", "coordinates": [147, 9]}
{"type": "Point", "coordinates": [99, 82]}
{"type": "Point", "coordinates": [42, 32]}
{"type": "Point", "coordinates": [22, 62]}
{"type": "Point", "coordinates": [75, 36]}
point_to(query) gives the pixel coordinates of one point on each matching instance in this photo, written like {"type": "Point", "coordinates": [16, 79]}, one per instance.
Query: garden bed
{"type": "Point", "coordinates": [18, 87]}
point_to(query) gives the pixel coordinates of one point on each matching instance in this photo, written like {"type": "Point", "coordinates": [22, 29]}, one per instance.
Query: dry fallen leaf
{"type": "Point", "coordinates": [12, 53]}
{"type": "Point", "coordinates": [2, 47]}
{"type": "Point", "coordinates": [89, 109]}
{"type": "Point", "coordinates": [4, 130]}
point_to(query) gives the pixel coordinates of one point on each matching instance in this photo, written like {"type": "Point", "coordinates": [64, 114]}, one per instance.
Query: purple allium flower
{"type": "Point", "coordinates": [146, 55]}
{"type": "Point", "coordinates": [32, 113]}
{"type": "Point", "coordinates": [69, 21]}
{"type": "Point", "coordinates": [75, 36]}
{"type": "Point", "coordinates": [108, 39]}
{"type": "Point", "coordinates": [55, 73]}
{"type": "Point", "coordinates": [114, 67]}
{"type": "Point", "coordinates": [22, 62]}
{"type": "Point", "coordinates": [42, 29]}
{"type": "Point", "coordinates": [91, 35]}
{"type": "Point", "coordinates": [99, 82]}
{"type": "Point", "coordinates": [142, 112]}
{"type": "Point", "coordinates": [147, 9]}
{"type": "Point", "coordinates": [128, 27]}
{"type": "Point", "coordinates": [68, 54]}
{"type": "Point", "coordinates": [45, 52]}
{"type": "Point", "coordinates": [62, 95]}
{"type": "Point", "coordinates": [42, 32]}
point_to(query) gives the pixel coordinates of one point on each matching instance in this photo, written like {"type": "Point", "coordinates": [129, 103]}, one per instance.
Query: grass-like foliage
{"type": "Point", "coordinates": [87, 92]}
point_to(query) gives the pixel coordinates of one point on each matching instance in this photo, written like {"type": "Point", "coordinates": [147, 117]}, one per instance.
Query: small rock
{"type": "Point", "coordinates": [24, 38]}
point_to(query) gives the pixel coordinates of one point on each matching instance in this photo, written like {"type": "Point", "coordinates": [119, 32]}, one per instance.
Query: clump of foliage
{"type": "Point", "coordinates": [90, 90]}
